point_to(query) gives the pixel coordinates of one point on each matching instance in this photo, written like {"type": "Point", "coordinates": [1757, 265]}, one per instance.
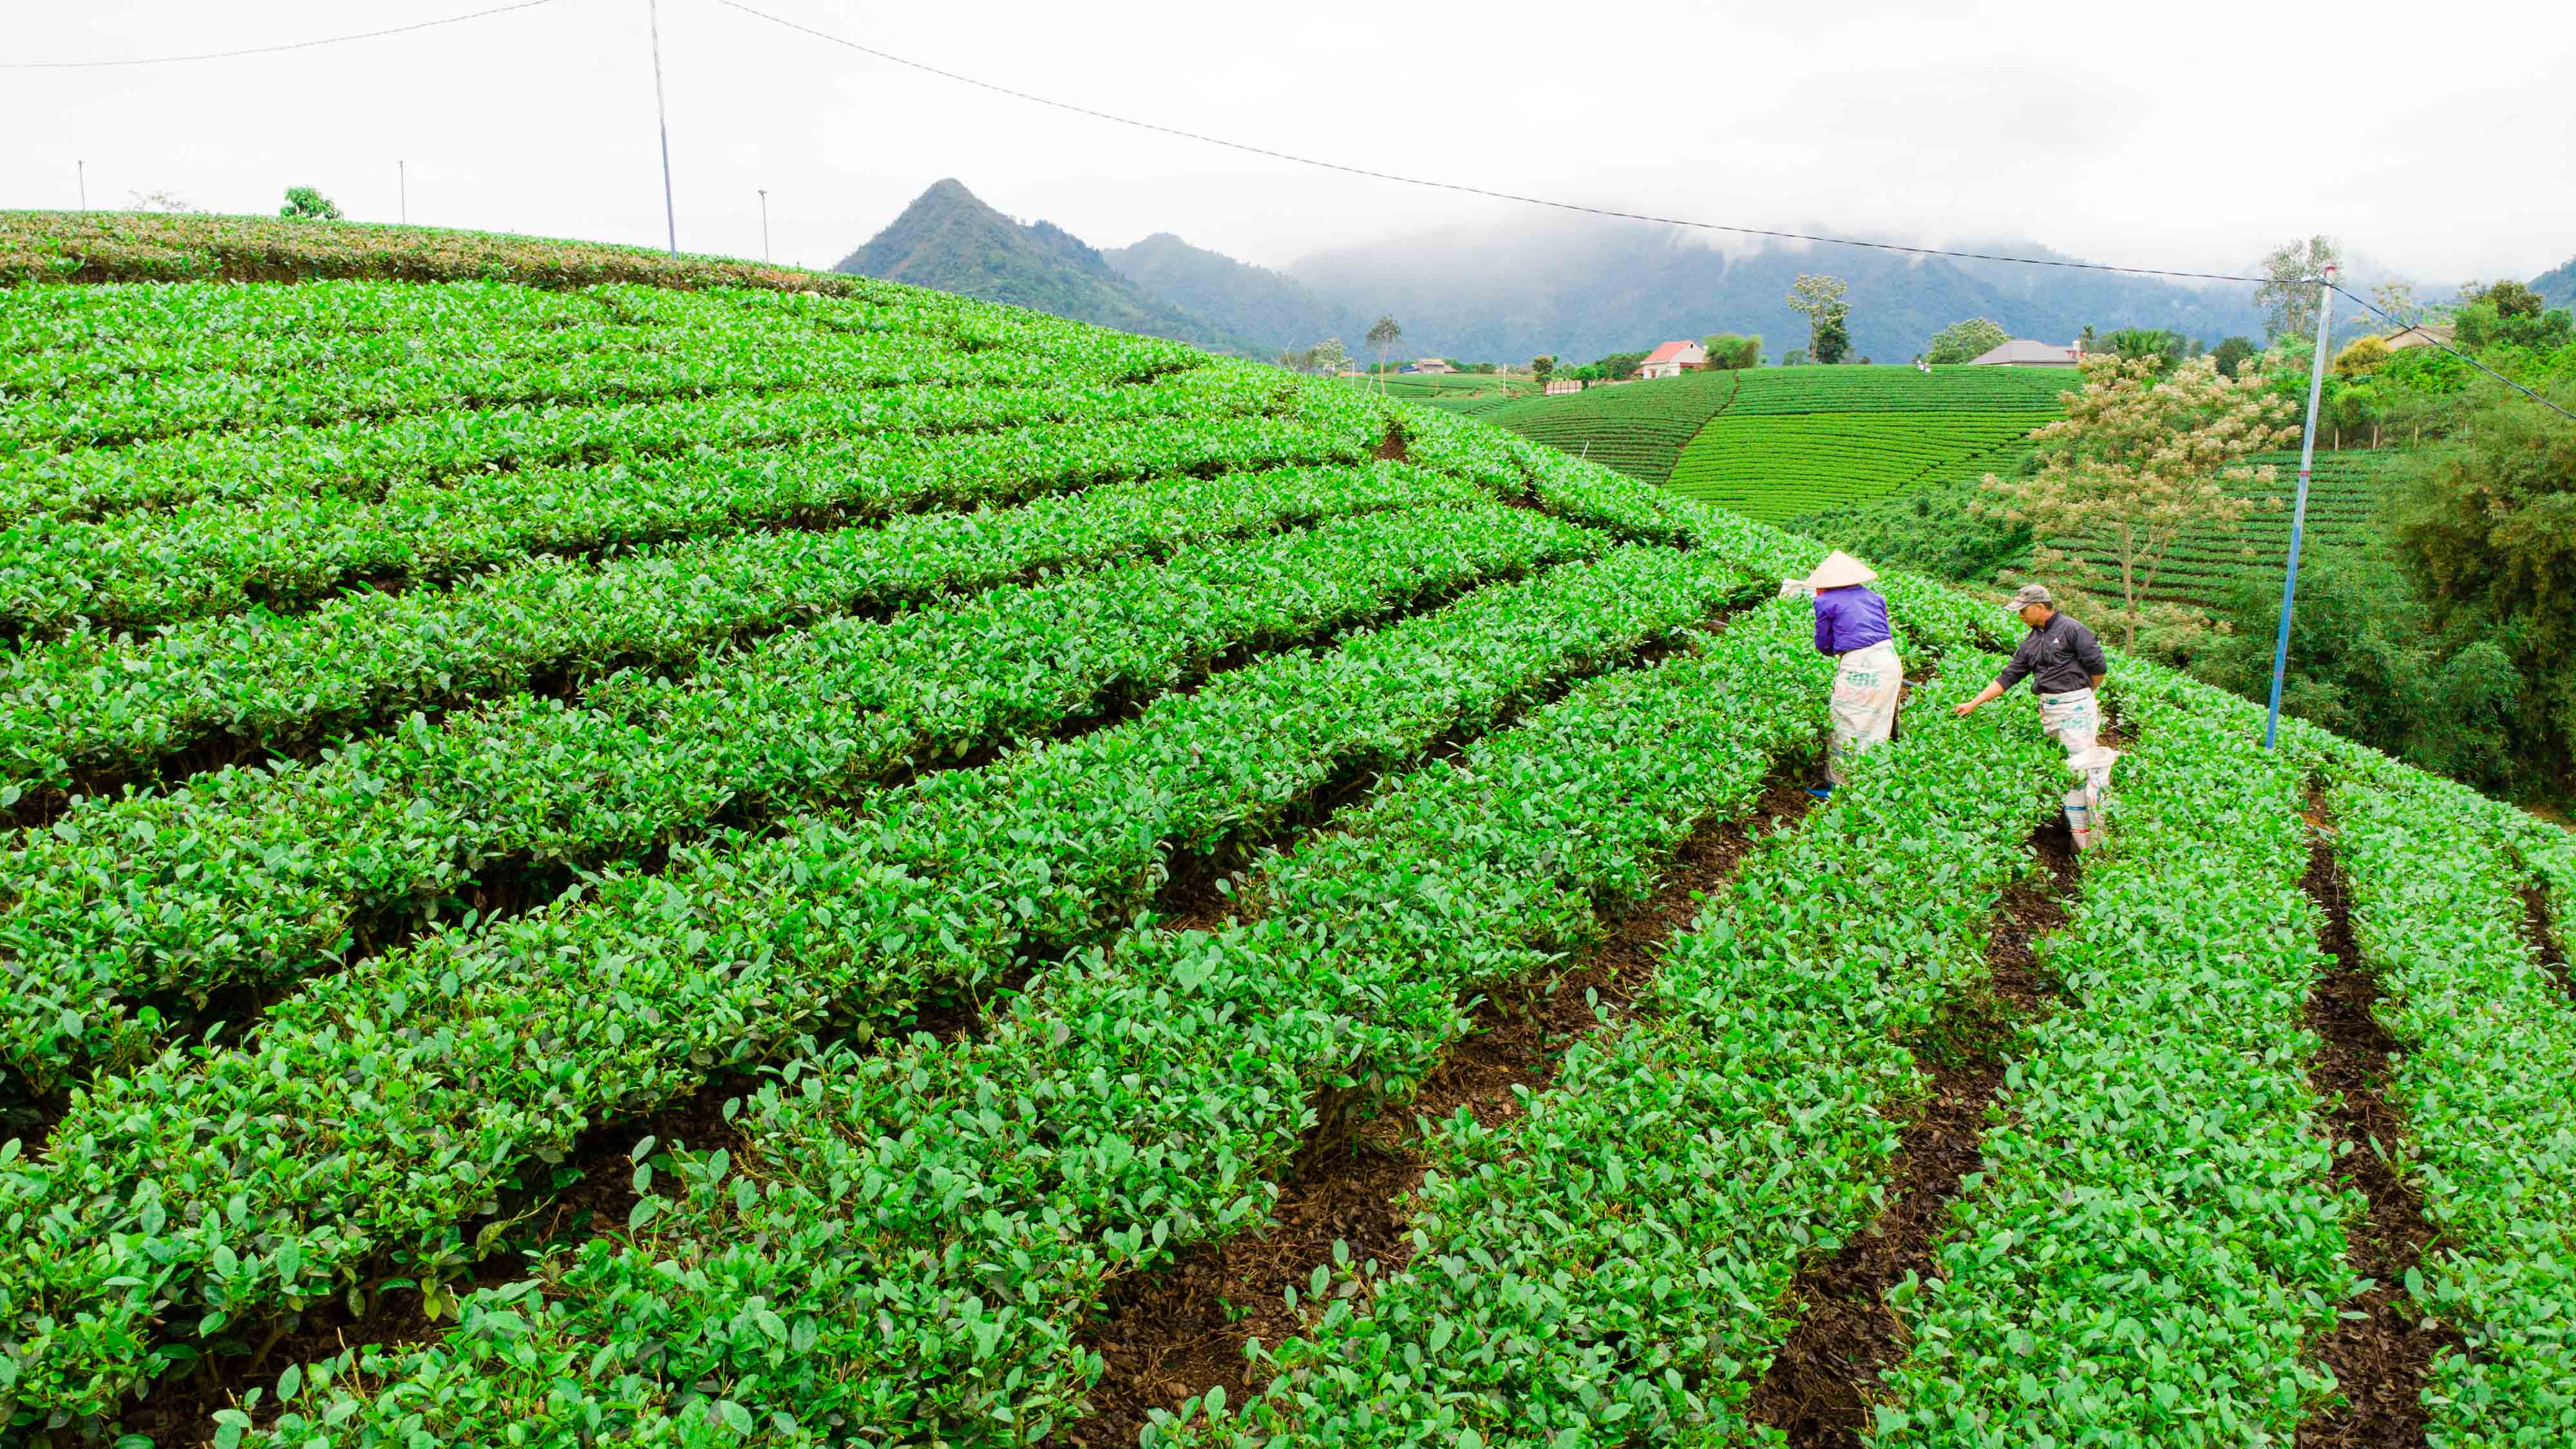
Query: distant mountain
{"type": "Point", "coordinates": [949, 240]}
{"type": "Point", "coordinates": [1582, 290]}
{"type": "Point", "coordinates": [1578, 289]}
{"type": "Point", "coordinates": [2557, 286]}
{"type": "Point", "coordinates": [1248, 301]}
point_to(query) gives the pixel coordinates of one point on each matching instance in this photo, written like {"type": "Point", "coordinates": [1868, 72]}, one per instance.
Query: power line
{"type": "Point", "coordinates": [1839, 241]}
{"type": "Point", "coordinates": [1248, 148]}
{"type": "Point", "coordinates": [270, 49]}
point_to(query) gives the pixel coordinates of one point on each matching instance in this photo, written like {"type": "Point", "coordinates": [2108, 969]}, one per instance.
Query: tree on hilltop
{"type": "Point", "coordinates": [1328, 357]}
{"type": "Point", "coordinates": [2289, 296]}
{"type": "Point", "coordinates": [1821, 300]}
{"type": "Point", "coordinates": [305, 203]}
{"type": "Point", "coordinates": [1382, 337]}
{"type": "Point", "coordinates": [2509, 298]}
{"type": "Point", "coordinates": [1966, 341]}
{"type": "Point", "coordinates": [2138, 460]}
{"type": "Point", "coordinates": [2509, 314]}
{"type": "Point", "coordinates": [2397, 300]}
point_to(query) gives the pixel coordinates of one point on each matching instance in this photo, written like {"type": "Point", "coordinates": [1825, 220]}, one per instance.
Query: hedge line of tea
{"type": "Point", "coordinates": [1137, 1102]}
{"type": "Point", "coordinates": [380, 1109]}
{"type": "Point", "coordinates": [1614, 1264]}
{"type": "Point", "coordinates": [2208, 568]}
{"type": "Point", "coordinates": [2489, 1047]}
{"type": "Point", "coordinates": [2154, 1244]}
{"type": "Point", "coordinates": [253, 876]}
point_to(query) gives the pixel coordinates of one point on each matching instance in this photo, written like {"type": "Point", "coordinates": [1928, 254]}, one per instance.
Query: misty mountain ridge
{"type": "Point", "coordinates": [1577, 288]}
{"type": "Point", "coordinates": [2557, 286]}
{"type": "Point", "coordinates": [1585, 289]}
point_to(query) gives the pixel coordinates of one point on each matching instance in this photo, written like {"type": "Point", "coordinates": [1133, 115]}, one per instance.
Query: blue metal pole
{"type": "Point", "coordinates": [2299, 513]}
{"type": "Point", "coordinates": [662, 117]}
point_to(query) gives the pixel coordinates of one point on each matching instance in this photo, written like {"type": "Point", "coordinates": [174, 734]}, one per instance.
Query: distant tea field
{"type": "Point", "coordinates": [1776, 443]}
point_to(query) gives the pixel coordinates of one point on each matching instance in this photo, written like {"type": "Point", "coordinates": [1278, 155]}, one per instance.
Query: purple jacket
{"type": "Point", "coordinates": [1850, 618]}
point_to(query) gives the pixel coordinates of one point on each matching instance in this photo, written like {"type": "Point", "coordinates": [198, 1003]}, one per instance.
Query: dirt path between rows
{"type": "Point", "coordinates": [1822, 1382]}
{"type": "Point", "coordinates": [1176, 1334]}
{"type": "Point", "coordinates": [2380, 1358]}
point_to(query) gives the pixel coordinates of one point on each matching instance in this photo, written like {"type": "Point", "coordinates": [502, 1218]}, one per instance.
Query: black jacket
{"type": "Point", "coordinates": [2060, 656]}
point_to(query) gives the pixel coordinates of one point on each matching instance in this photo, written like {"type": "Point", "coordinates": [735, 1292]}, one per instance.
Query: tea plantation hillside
{"type": "Point", "coordinates": [1638, 428]}
{"type": "Point", "coordinates": [608, 850]}
{"type": "Point", "coordinates": [1774, 443]}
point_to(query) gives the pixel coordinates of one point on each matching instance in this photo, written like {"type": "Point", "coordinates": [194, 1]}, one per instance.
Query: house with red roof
{"type": "Point", "coordinates": [1673, 359]}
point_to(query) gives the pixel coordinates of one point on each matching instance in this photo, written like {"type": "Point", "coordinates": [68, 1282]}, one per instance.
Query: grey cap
{"type": "Point", "coordinates": [2029, 594]}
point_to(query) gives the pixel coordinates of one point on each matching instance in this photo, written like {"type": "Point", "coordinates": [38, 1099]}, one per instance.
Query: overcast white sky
{"type": "Point", "coordinates": [2438, 141]}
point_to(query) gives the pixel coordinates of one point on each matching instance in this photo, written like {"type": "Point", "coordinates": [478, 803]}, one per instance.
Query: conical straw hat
{"type": "Point", "coordinates": [1839, 569]}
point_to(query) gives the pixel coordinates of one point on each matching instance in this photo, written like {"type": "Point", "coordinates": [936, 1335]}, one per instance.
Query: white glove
{"type": "Point", "coordinates": [1789, 587]}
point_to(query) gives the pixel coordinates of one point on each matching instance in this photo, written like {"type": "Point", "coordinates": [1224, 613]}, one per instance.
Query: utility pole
{"type": "Point", "coordinates": [402, 188]}
{"type": "Point", "coordinates": [764, 222]}
{"type": "Point", "coordinates": [2299, 513]}
{"type": "Point", "coordinates": [662, 114]}
{"type": "Point", "coordinates": [81, 170]}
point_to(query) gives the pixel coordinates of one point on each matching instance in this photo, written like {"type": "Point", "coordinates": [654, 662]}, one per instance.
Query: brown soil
{"type": "Point", "coordinates": [2537, 924]}
{"type": "Point", "coordinates": [2381, 1357]}
{"type": "Point", "coordinates": [1391, 447]}
{"type": "Point", "coordinates": [1819, 1387]}
{"type": "Point", "coordinates": [1172, 1335]}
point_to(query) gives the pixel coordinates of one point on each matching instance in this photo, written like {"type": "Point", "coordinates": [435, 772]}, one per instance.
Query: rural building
{"type": "Point", "coordinates": [2422, 334]}
{"type": "Point", "coordinates": [1430, 364]}
{"type": "Point", "coordinates": [1559, 386]}
{"type": "Point", "coordinates": [1673, 359]}
{"type": "Point", "coordinates": [2023, 352]}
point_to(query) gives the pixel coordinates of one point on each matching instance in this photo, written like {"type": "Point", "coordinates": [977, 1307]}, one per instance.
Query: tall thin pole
{"type": "Point", "coordinates": [2299, 513]}
{"type": "Point", "coordinates": [764, 222]}
{"type": "Point", "coordinates": [662, 114]}
{"type": "Point", "coordinates": [81, 170]}
{"type": "Point", "coordinates": [402, 187]}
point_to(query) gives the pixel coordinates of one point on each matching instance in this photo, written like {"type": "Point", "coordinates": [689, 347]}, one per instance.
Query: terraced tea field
{"type": "Point", "coordinates": [610, 851]}
{"type": "Point", "coordinates": [2205, 569]}
{"type": "Point", "coordinates": [1638, 428]}
{"type": "Point", "coordinates": [1818, 438]}
{"type": "Point", "coordinates": [1776, 443]}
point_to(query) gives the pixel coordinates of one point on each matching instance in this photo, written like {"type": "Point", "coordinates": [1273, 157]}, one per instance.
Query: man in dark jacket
{"type": "Point", "coordinates": [2064, 664]}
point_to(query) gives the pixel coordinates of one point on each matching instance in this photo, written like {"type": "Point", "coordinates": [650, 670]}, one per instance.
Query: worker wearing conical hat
{"type": "Point", "coordinates": [1852, 629]}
